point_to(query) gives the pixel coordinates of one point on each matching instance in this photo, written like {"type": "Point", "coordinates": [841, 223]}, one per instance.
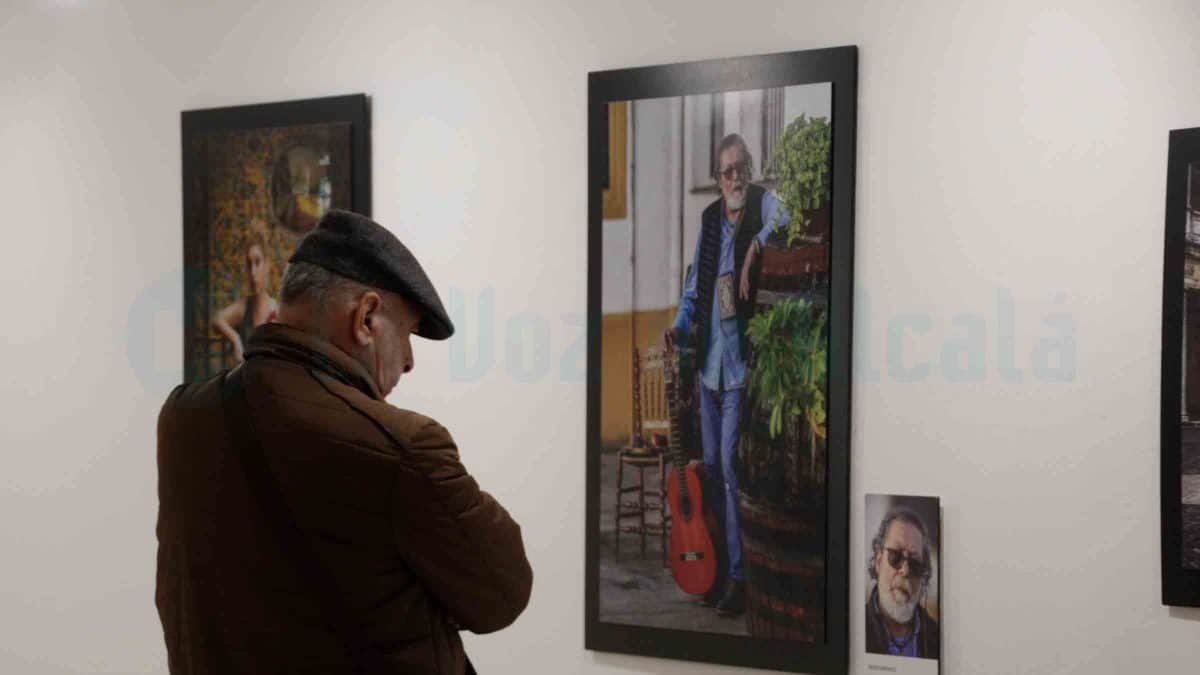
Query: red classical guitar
{"type": "Point", "coordinates": [693, 558]}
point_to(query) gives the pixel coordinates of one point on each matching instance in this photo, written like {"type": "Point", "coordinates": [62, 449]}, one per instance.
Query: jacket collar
{"type": "Point", "coordinates": [277, 340]}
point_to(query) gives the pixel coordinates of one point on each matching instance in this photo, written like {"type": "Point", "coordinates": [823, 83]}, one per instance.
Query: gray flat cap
{"type": "Point", "coordinates": [361, 249]}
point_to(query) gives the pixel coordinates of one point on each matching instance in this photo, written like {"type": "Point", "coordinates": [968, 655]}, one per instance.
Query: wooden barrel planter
{"type": "Point", "coordinates": [783, 563]}
{"type": "Point", "coordinates": [781, 504]}
{"type": "Point", "coordinates": [804, 266]}
{"type": "Point", "coordinates": [781, 481]}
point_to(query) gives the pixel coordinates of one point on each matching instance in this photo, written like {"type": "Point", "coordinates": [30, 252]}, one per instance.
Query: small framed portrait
{"type": "Point", "coordinates": [256, 179]}
{"type": "Point", "coordinates": [902, 615]}
{"type": "Point", "coordinates": [1180, 415]}
{"type": "Point", "coordinates": [720, 262]}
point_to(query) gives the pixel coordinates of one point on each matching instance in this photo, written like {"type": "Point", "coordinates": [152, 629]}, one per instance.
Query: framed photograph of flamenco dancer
{"type": "Point", "coordinates": [255, 179]}
{"type": "Point", "coordinates": [720, 271]}
{"type": "Point", "coordinates": [1180, 428]}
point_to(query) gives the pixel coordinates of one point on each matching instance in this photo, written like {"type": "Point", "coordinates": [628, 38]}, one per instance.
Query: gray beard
{"type": "Point", "coordinates": [734, 201]}
{"type": "Point", "coordinates": [897, 610]}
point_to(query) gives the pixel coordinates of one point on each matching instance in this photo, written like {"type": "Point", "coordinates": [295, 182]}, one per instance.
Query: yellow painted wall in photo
{"type": "Point", "coordinates": [618, 335]}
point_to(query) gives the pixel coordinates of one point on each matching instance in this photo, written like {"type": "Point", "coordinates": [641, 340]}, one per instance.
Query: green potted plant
{"type": "Point", "coordinates": [800, 164]}
{"type": "Point", "coordinates": [787, 386]}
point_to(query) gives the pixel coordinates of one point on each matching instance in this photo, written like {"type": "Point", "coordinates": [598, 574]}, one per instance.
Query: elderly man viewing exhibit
{"type": "Point", "coordinates": [307, 526]}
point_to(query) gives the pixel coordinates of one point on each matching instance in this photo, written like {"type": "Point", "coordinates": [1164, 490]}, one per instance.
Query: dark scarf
{"type": "Point", "coordinates": [748, 226]}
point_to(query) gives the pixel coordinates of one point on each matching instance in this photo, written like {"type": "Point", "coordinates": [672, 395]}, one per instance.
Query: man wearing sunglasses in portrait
{"type": "Point", "coordinates": [715, 307]}
{"type": "Point", "coordinates": [897, 623]}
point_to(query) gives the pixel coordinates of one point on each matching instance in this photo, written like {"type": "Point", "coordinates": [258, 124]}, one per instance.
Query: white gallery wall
{"type": "Point", "coordinates": [1011, 169]}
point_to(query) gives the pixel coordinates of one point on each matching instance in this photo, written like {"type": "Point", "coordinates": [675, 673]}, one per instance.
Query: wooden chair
{"type": "Point", "coordinates": [650, 417]}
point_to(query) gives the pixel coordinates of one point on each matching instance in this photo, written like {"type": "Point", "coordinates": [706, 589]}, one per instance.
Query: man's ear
{"type": "Point", "coordinates": [364, 312]}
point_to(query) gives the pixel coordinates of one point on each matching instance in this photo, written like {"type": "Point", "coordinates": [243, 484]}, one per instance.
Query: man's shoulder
{"type": "Point", "coordinates": [876, 642]}
{"type": "Point", "coordinates": [928, 622]}
{"type": "Point", "coordinates": [422, 446]}
{"type": "Point", "coordinates": [713, 209]}
{"type": "Point", "coordinates": [192, 396]}
{"type": "Point", "coordinates": [931, 636]}
{"type": "Point", "coordinates": [190, 418]}
{"type": "Point", "coordinates": [410, 428]}
{"type": "Point", "coordinates": [872, 605]}
{"type": "Point", "coordinates": [768, 197]}
{"type": "Point", "coordinates": [375, 423]}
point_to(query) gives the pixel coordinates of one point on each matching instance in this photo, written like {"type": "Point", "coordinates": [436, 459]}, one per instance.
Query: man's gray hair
{"type": "Point", "coordinates": [733, 141]}
{"type": "Point", "coordinates": [307, 283]}
{"type": "Point", "coordinates": [904, 515]}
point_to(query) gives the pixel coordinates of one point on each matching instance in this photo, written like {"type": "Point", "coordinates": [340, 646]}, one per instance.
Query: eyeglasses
{"type": "Point", "coordinates": [737, 170]}
{"type": "Point", "coordinates": [895, 558]}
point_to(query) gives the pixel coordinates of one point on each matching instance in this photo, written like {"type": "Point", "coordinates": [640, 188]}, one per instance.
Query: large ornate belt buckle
{"type": "Point", "coordinates": [725, 296]}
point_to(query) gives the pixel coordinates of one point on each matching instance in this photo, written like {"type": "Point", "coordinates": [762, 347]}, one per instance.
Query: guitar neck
{"type": "Point", "coordinates": [636, 437]}
{"type": "Point", "coordinates": [672, 376]}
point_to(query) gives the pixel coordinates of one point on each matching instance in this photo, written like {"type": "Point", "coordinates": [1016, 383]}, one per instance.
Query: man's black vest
{"type": "Point", "coordinates": [709, 257]}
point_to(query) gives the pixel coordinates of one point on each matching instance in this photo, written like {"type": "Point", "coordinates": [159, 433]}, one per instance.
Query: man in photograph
{"type": "Point", "coordinates": [714, 313]}
{"type": "Point", "coordinates": [897, 623]}
{"type": "Point", "coordinates": [307, 526]}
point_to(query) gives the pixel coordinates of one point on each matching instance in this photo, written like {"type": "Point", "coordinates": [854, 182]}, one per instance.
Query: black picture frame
{"type": "Point", "coordinates": [838, 66]}
{"type": "Point", "coordinates": [197, 125]}
{"type": "Point", "coordinates": [1180, 578]}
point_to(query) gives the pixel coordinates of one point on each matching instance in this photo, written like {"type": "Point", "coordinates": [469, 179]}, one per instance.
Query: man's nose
{"type": "Point", "coordinates": [408, 354]}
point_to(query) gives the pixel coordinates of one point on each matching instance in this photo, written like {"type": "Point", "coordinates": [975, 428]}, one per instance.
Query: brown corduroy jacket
{"type": "Point", "coordinates": [414, 549]}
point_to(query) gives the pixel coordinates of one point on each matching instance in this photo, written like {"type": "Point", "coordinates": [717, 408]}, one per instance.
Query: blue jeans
{"type": "Point", "coordinates": [719, 411]}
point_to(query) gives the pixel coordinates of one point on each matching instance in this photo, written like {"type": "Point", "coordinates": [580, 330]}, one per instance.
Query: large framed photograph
{"type": "Point", "coordinates": [1180, 428]}
{"type": "Point", "coordinates": [256, 179]}
{"type": "Point", "coordinates": [720, 275]}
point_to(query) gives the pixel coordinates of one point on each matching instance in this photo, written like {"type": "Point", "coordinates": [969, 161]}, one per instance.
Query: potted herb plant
{"type": "Point", "coordinates": [787, 385]}
{"type": "Point", "coordinates": [801, 166]}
